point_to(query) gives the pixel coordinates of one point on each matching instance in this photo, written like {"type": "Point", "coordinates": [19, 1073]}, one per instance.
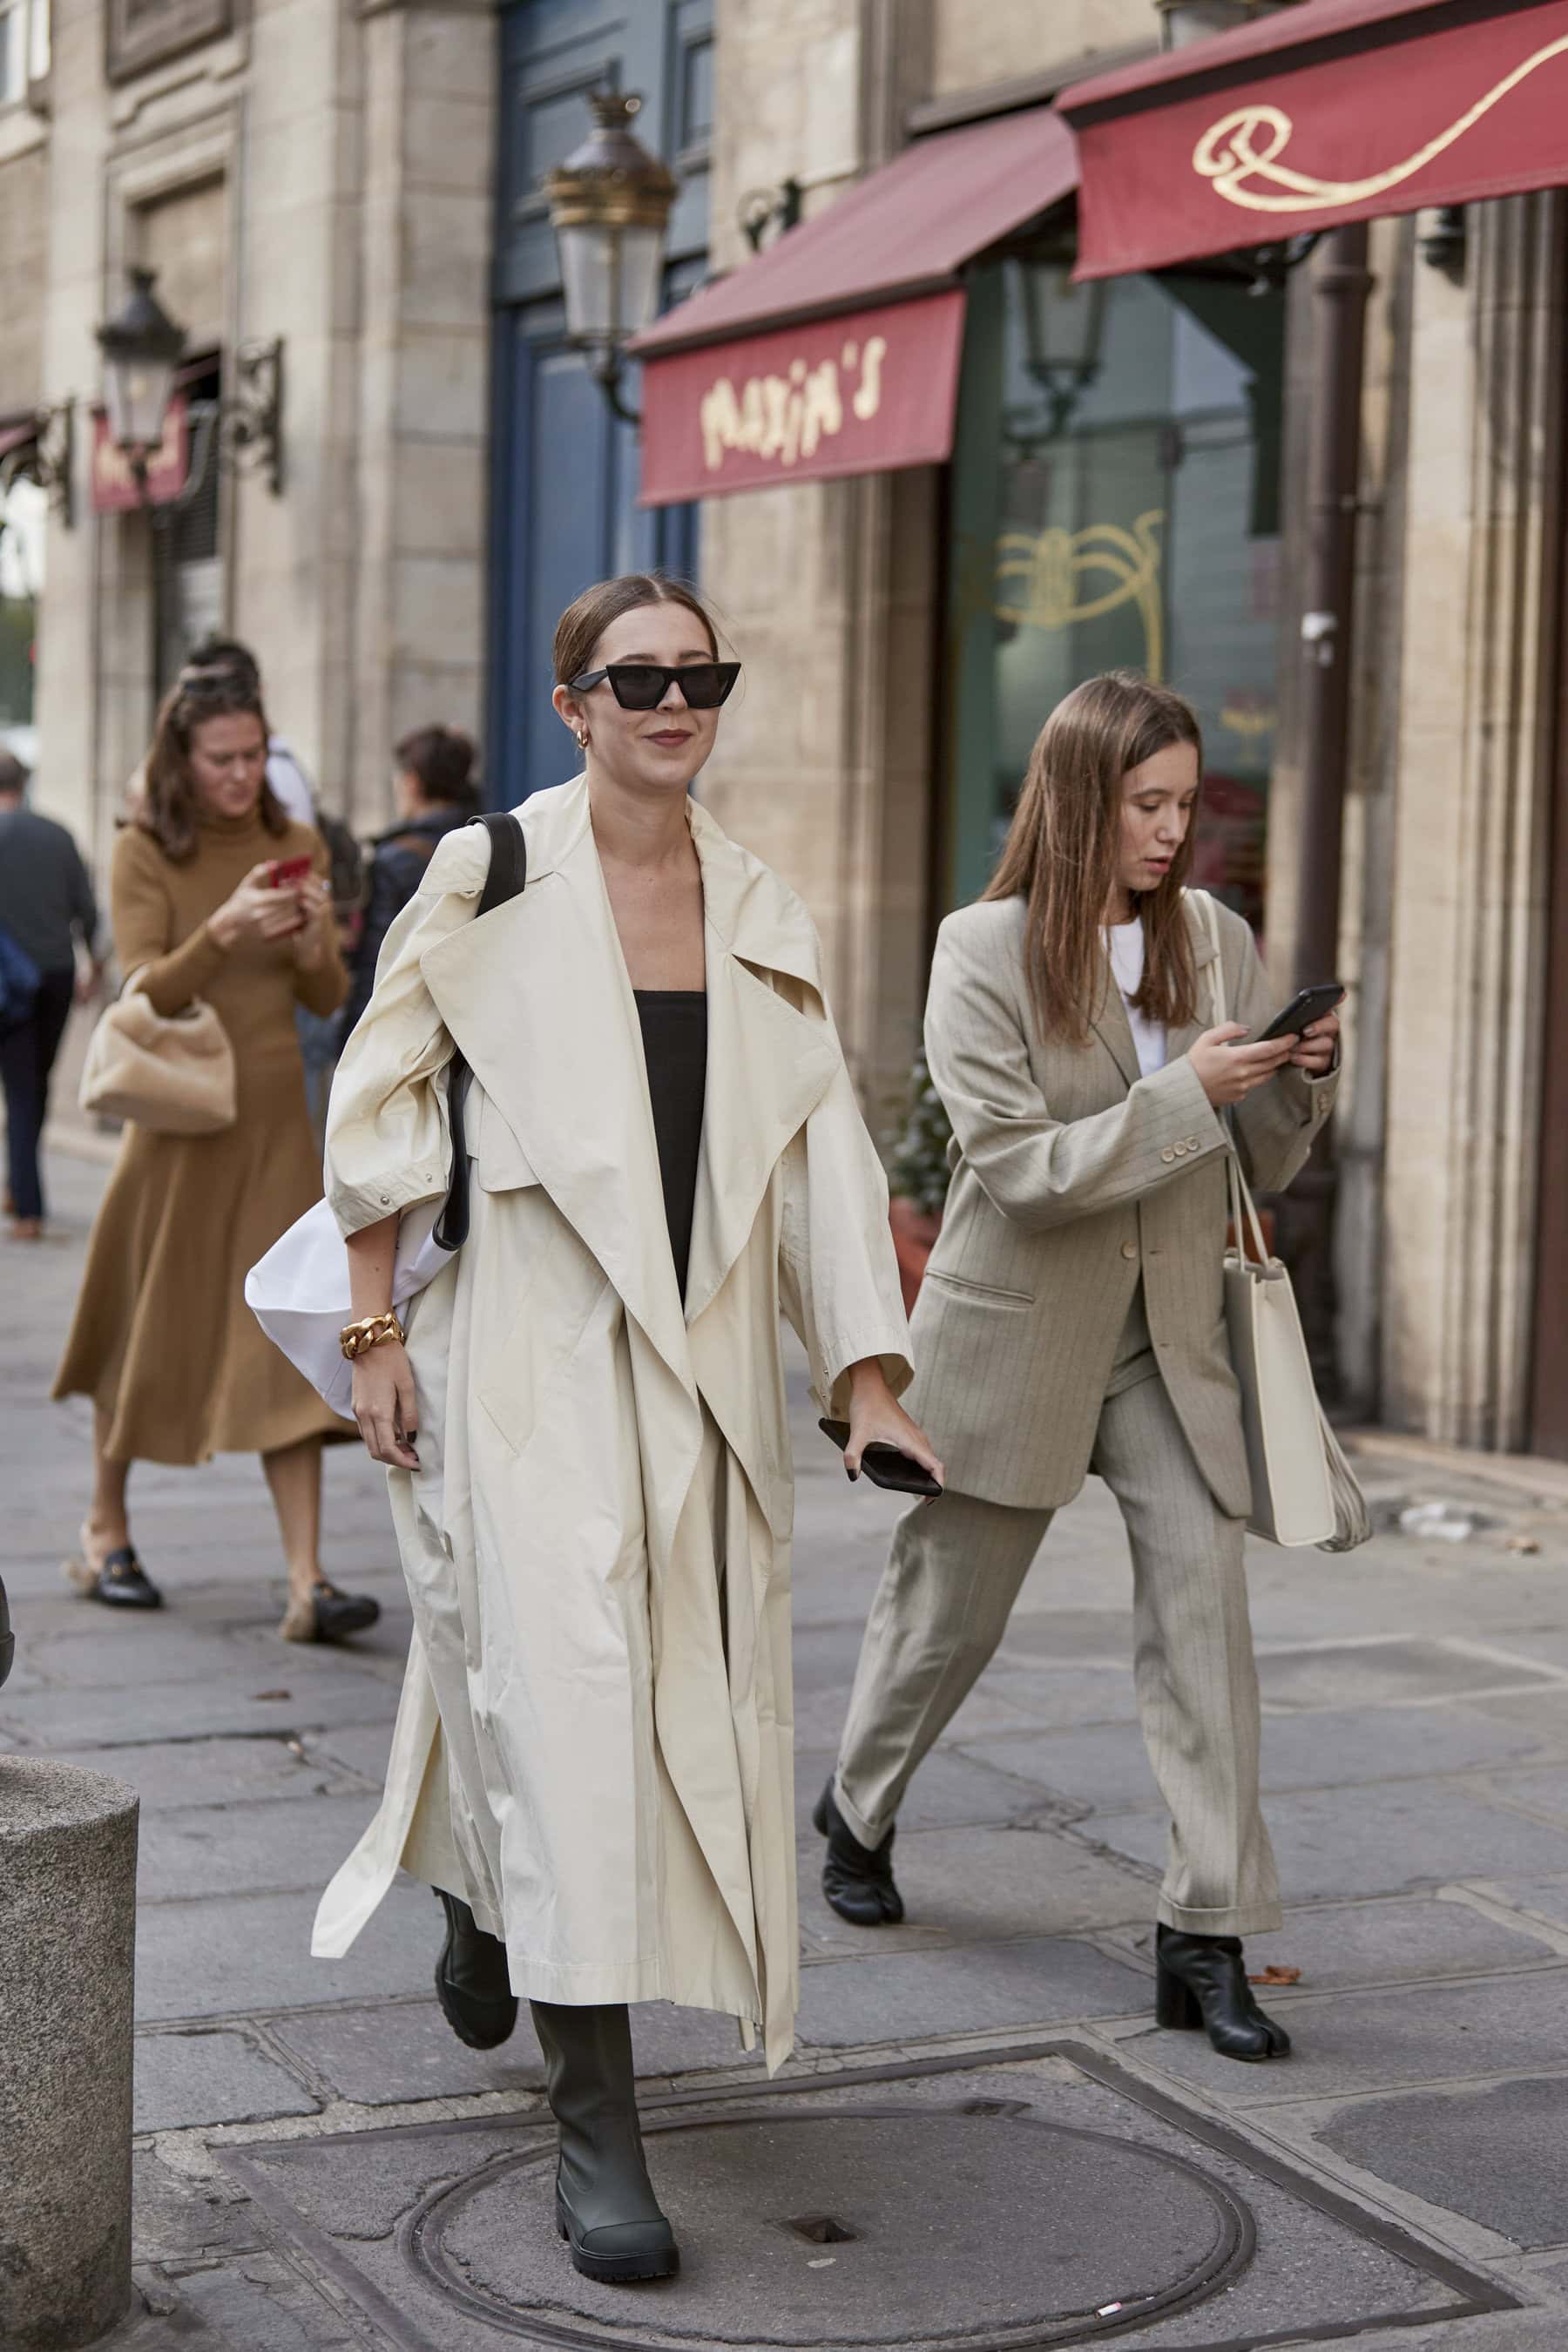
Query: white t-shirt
{"type": "Point", "coordinates": [291, 785]}
{"type": "Point", "coordinates": [1125, 941]}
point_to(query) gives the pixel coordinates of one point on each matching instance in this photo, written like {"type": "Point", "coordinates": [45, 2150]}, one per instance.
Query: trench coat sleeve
{"type": "Point", "coordinates": [142, 916]}
{"type": "Point", "coordinates": [387, 1142]}
{"type": "Point", "coordinates": [1276, 1125]}
{"type": "Point", "coordinates": [323, 988]}
{"type": "Point", "coordinates": [1040, 1171]}
{"type": "Point", "coordinates": [839, 1275]}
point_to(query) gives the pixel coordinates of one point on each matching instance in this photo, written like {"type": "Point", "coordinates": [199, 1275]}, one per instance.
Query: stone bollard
{"type": "Point", "coordinates": [68, 1927]}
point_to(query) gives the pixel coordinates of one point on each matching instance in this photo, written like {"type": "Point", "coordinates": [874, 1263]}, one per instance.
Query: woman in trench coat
{"type": "Point", "coordinates": [1072, 1316]}
{"type": "Point", "coordinates": [586, 1430]}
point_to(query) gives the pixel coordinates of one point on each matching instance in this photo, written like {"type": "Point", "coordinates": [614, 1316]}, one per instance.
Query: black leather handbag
{"type": "Point", "coordinates": [506, 880]}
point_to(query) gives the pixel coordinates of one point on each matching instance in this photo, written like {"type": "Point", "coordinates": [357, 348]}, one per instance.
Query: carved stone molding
{"type": "Point", "coordinates": [142, 33]}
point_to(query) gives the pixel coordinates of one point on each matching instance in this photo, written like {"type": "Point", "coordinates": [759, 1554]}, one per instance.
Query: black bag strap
{"type": "Point", "coordinates": [507, 878]}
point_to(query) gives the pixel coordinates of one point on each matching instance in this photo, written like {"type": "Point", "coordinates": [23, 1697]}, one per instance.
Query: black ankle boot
{"type": "Point", "coordinates": [857, 1880]}
{"type": "Point", "coordinates": [1202, 1980]}
{"type": "Point", "coordinates": [471, 1981]}
{"type": "Point", "coordinates": [604, 2204]}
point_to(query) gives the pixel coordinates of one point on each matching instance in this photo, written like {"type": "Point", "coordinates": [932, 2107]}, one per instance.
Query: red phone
{"type": "Point", "coordinates": [284, 872]}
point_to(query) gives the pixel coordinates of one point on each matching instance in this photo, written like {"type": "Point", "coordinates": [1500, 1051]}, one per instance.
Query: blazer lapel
{"type": "Point", "coordinates": [1179, 1040]}
{"type": "Point", "coordinates": [537, 997]}
{"type": "Point", "coordinates": [1114, 1030]}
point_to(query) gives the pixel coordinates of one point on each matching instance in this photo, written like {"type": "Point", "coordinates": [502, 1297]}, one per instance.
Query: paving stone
{"type": "Point", "coordinates": [1019, 1696]}
{"type": "Point", "coordinates": [1369, 1674]}
{"type": "Point", "coordinates": [130, 1646]}
{"type": "Point", "coordinates": [312, 1697]}
{"type": "Point", "coordinates": [231, 1956]}
{"type": "Point", "coordinates": [363, 1748]}
{"type": "Point", "coordinates": [206, 1850]}
{"type": "Point", "coordinates": [1547, 1896]}
{"type": "Point", "coordinates": [172, 1772]}
{"type": "Point", "coordinates": [1339, 1842]}
{"type": "Point", "coordinates": [176, 2219]}
{"type": "Point", "coordinates": [972, 1990]}
{"type": "Point", "coordinates": [210, 2078]}
{"type": "Point", "coordinates": [968, 1885]}
{"type": "Point", "coordinates": [260, 2302]}
{"type": "Point", "coordinates": [1497, 2155]}
{"type": "Point", "coordinates": [1546, 1792]}
{"type": "Point", "coordinates": [1358, 2042]}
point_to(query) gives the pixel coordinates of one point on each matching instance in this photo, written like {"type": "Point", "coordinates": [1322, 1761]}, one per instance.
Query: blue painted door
{"type": "Point", "coordinates": [564, 468]}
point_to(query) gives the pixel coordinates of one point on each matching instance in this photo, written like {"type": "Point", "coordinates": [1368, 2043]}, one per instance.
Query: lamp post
{"type": "Point", "coordinates": [609, 206]}
{"type": "Point", "coordinates": [1063, 331]}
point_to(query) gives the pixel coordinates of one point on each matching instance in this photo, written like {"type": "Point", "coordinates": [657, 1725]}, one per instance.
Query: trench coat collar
{"type": "Point", "coordinates": [1114, 1030]}
{"type": "Point", "coordinates": [537, 999]}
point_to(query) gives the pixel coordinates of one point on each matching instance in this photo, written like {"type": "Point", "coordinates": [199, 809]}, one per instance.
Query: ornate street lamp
{"type": "Point", "coordinates": [1064, 333]}
{"type": "Point", "coordinates": [609, 206]}
{"type": "Point", "coordinates": [1181, 21]}
{"type": "Point", "coordinates": [142, 348]}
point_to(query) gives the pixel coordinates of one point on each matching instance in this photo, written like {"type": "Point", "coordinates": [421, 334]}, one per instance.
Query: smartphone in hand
{"type": "Point", "coordinates": [285, 872]}
{"type": "Point", "coordinates": [1308, 1004]}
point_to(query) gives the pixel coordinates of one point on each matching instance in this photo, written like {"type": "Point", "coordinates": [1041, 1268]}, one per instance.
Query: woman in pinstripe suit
{"type": "Point", "coordinates": [1072, 1317]}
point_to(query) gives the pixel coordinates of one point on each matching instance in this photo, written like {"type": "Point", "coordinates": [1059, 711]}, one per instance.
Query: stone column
{"type": "Point", "coordinates": [1479, 681]}
{"type": "Point", "coordinates": [68, 1926]}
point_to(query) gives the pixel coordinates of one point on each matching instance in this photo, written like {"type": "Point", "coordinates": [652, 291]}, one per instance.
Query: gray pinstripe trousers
{"type": "Point", "coordinates": [952, 1576]}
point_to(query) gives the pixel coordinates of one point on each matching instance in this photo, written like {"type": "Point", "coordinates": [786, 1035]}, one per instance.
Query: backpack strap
{"type": "Point", "coordinates": [505, 880]}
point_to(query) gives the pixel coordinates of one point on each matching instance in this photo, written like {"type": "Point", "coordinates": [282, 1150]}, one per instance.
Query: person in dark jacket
{"type": "Point", "coordinates": [45, 906]}
{"type": "Point", "coordinates": [435, 790]}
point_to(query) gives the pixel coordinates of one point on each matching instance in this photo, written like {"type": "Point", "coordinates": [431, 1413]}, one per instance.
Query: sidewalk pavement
{"type": "Point", "coordinates": [300, 2124]}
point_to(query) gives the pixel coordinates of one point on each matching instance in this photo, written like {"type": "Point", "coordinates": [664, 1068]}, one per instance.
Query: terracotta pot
{"type": "Point", "coordinates": [914, 1238]}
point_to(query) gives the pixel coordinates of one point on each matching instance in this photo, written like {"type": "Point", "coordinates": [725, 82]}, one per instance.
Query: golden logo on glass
{"type": "Point", "coordinates": [787, 416]}
{"type": "Point", "coordinates": [1053, 579]}
{"type": "Point", "coordinates": [1240, 152]}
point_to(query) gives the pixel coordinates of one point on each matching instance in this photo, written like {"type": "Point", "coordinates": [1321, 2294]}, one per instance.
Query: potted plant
{"type": "Point", "coordinates": [918, 1177]}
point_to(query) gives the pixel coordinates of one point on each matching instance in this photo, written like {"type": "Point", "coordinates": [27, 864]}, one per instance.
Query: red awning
{"type": "Point", "coordinates": [1333, 111]}
{"type": "Point", "coordinates": [836, 350]}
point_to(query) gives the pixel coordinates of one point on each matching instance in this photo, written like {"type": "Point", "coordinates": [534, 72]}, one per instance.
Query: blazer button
{"type": "Point", "coordinates": [1128, 1249]}
{"type": "Point", "coordinates": [1168, 1153]}
{"type": "Point", "coordinates": [1193, 1144]}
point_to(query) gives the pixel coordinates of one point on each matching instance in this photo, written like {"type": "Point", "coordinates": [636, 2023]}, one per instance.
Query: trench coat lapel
{"type": "Point", "coordinates": [537, 997]}
{"type": "Point", "coordinates": [768, 1066]}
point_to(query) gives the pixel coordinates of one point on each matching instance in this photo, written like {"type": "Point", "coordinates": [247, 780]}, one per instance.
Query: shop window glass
{"type": "Point", "coordinates": [1115, 505]}
{"type": "Point", "coordinates": [24, 510]}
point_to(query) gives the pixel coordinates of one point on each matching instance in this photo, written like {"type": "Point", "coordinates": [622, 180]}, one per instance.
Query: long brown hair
{"type": "Point", "coordinates": [1062, 853]}
{"type": "Point", "coordinates": [586, 618]}
{"type": "Point", "coordinates": [167, 807]}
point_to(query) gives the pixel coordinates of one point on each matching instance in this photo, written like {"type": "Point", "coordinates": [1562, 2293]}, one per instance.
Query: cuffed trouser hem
{"type": "Point", "coordinates": [855, 1819]}
{"type": "Point", "coordinates": [1239, 1919]}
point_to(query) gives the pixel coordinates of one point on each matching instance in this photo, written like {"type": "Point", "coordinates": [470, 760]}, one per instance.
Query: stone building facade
{"type": "Point", "coordinates": [361, 180]}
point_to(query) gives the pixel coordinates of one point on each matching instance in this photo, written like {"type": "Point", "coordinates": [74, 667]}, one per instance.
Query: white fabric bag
{"type": "Point", "coordinates": [1303, 1489]}
{"type": "Point", "coordinates": [298, 1292]}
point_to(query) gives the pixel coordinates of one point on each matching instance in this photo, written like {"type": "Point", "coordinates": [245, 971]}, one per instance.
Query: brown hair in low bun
{"type": "Point", "coordinates": [585, 619]}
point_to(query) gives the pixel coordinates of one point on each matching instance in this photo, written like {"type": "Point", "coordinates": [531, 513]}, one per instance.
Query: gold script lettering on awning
{"type": "Point", "coordinates": [788, 416]}
{"type": "Point", "coordinates": [1243, 147]}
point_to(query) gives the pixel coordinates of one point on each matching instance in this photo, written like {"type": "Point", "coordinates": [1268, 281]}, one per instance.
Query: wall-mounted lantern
{"type": "Point", "coordinates": [1181, 21]}
{"type": "Point", "coordinates": [609, 206]}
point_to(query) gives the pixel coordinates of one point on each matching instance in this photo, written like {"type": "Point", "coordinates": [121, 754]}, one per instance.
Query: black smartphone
{"type": "Point", "coordinates": [1308, 1004]}
{"type": "Point", "coordinates": [886, 1465]}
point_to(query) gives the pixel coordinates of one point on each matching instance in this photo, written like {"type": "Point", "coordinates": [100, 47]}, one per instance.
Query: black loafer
{"type": "Point", "coordinates": [1201, 1982]}
{"type": "Point", "coordinates": [124, 1583]}
{"type": "Point", "coordinates": [338, 1614]}
{"type": "Point", "coordinates": [471, 1980]}
{"type": "Point", "coordinates": [857, 1880]}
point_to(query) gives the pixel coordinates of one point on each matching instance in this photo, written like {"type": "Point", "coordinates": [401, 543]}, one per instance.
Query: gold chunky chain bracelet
{"type": "Point", "coordinates": [369, 1332]}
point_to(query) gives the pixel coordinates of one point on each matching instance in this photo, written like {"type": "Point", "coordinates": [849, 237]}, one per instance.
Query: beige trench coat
{"type": "Point", "coordinates": [594, 1741]}
{"type": "Point", "coordinates": [1075, 1178]}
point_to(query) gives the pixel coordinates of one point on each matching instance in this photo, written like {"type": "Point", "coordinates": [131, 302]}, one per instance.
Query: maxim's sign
{"type": "Point", "coordinates": [859, 394]}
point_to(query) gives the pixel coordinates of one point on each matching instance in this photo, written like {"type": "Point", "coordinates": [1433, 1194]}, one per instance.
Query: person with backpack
{"type": "Point", "coordinates": [47, 906]}
{"type": "Point", "coordinates": [434, 790]}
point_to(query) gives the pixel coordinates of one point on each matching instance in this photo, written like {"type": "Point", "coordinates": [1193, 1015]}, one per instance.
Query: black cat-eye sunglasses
{"type": "Point", "coordinates": [642, 686]}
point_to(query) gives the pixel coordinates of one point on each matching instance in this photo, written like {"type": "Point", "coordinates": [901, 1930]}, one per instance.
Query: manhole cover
{"type": "Point", "coordinates": [1081, 2233]}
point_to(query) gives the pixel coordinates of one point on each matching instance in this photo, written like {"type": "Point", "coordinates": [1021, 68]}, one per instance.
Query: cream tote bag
{"type": "Point", "coordinates": [172, 1073]}
{"type": "Point", "coordinates": [1303, 1489]}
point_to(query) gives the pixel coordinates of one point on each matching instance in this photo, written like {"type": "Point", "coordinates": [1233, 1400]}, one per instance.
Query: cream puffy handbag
{"type": "Point", "coordinates": [1303, 1489]}
{"type": "Point", "coordinates": [173, 1074]}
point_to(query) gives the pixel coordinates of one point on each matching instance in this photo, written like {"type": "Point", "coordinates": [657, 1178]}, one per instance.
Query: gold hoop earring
{"type": "Point", "coordinates": [582, 738]}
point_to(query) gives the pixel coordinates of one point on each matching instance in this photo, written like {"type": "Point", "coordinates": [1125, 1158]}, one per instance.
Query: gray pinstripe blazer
{"type": "Point", "coordinates": [1072, 1177]}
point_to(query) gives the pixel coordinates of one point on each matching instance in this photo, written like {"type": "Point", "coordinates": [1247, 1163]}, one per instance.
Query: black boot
{"type": "Point", "coordinates": [604, 2204]}
{"type": "Point", "coordinates": [1202, 1980]}
{"type": "Point", "coordinates": [857, 1880]}
{"type": "Point", "coordinates": [471, 1981]}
